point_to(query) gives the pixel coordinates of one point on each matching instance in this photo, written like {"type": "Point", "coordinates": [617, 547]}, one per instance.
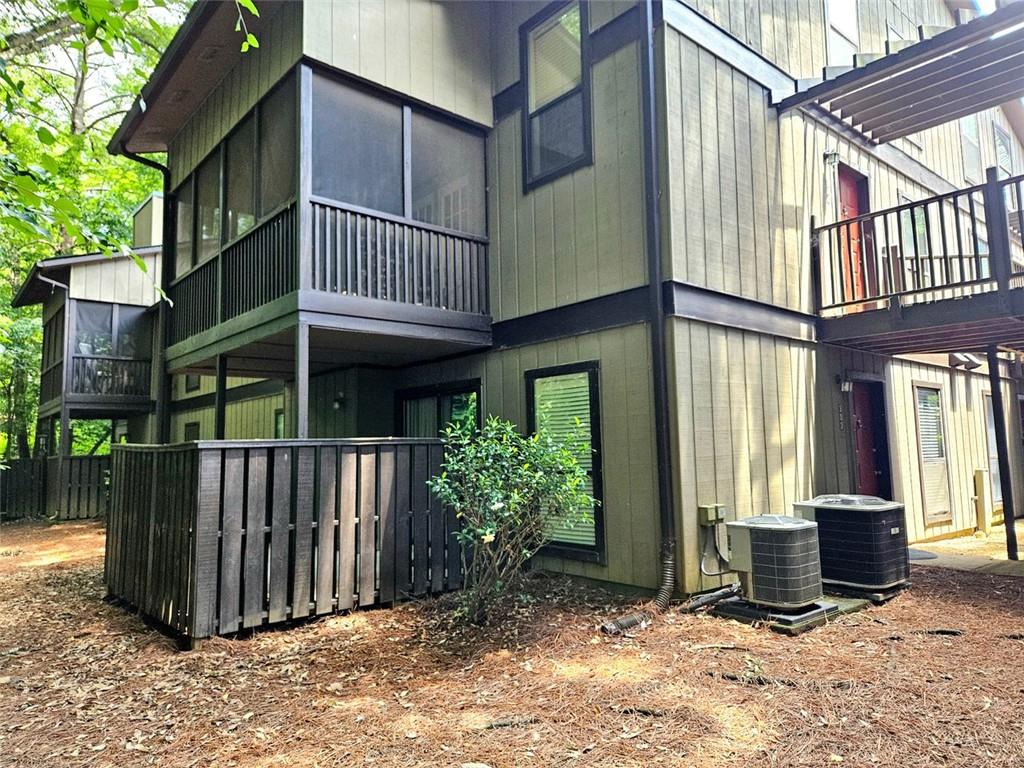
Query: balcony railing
{"type": "Point", "coordinates": [109, 376]}
{"type": "Point", "coordinates": [379, 256]}
{"type": "Point", "coordinates": [957, 244]}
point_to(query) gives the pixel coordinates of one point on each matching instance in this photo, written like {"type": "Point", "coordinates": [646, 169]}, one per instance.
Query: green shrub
{"type": "Point", "coordinates": [503, 487]}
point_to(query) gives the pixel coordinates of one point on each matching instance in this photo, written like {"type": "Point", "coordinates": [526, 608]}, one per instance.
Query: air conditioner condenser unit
{"type": "Point", "coordinates": [776, 558]}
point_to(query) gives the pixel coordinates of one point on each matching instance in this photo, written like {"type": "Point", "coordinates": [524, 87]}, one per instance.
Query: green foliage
{"type": "Point", "coordinates": [503, 486]}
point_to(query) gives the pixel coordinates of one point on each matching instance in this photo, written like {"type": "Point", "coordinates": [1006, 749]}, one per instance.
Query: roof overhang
{"type": "Point", "coordinates": [960, 71]}
{"type": "Point", "coordinates": [50, 274]}
{"type": "Point", "coordinates": [205, 47]}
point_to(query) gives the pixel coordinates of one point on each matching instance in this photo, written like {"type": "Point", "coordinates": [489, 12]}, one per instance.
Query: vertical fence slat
{"type": "Point", "coordinates": [255, 538]}
{"type": "Point", "coordinates": [303, 555]}
{"type": "Point", "coordinates": [367, 524]}
{"type": "Point", "coordinates": [279, 540]}
{"type": "Point", "coordinates": [326, 528]}
{"type": "Point", "coordinates": [420, 521]}
{"type": "Point", "coordinates": [205, 586]}
{"type": "Point", "coordinates": [347, 490]}
{"type": "Point", "coordinates": [403, 521]}
{"type": "Point", "coordinates": [231, 539]}
{"type": "Point", "coordinates": [386, 548]}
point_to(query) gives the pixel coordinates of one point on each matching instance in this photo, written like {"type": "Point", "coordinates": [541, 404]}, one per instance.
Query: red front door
{"type": "Point", "coordinates": [852, 188]}
{"type": "Point", "coordinates": [870, 442]}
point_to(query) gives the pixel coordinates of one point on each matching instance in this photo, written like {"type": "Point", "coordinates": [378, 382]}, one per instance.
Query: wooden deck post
{"type": "Point", "coordinates": [998, 235]}
{"type": "Point", "coordinates": [220, 397]}
{"type": "Point", "coordinates": [1003, 451]}
{"type": "Point", "coordinates": [300, 404]}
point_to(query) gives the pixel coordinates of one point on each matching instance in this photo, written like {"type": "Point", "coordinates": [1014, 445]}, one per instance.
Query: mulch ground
{"type": "Point", "coordinates": [83, 683]}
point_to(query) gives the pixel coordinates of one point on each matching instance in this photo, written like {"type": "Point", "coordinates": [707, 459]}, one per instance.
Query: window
{"type": "Point", "coordinates": [558, 399]}
{"type": "Point", "coordinates": [913, 231]}
{"type": "Point", "coordinates": [94, 328]}
{"type": "Point", "coordinates": [132, 339]}
{"type": "Point", "coordinates": [932, 443]}
{"type": "Point", "coordinates": [240, 180]}
{"type": "Point", "coordinates": [208, 207]}
{"type": "Point", "coordinates": [1004, 151]}
{"type": "Point", "coordinates": [279, 424]}
{"type": "Point", "coordinates": [191, 431]}
{"type": "Point", "coordinates": [995, 484]}
{"type": "Point", "coordinates": [447, 176]}
{"type": "Point", "coordinates": [277, 147]}
{"type": "Point", "coordinates": [557, 108]}
{"type": "Point", "coordinates": [426, 411]}
{"type": "Point", "coordinates": [357, 146]}
{"type": "Point", "coordinates": [970, 146]}
{"type": "Point", "coordinates": [192, 382]}
{"type": "Point", "coordinates": [843, 37]}
{"type": "Point", "coordinates": [183, 262]}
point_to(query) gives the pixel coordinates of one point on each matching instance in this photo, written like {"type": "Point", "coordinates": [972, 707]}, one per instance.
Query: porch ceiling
{"type": "Point", "coordinates": [956, 72]}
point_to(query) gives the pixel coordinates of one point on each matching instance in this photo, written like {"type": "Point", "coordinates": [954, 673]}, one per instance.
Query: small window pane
{"type": "Point", "coordinates": [191, 431]}
{"type": "Point", "coordinates": [1004, 151]}
{"type": "Point", "coordinates": [556, 136]}
{"type": "Point", "coordinates": [278, 142]}
{"type": "Point", "coordinates": [562, 406]}
{"type": "Point", "coordinates": [447, 175]}
{"type": "Point", "coordinates": [971, 148]}
{"type": "Point", "coordinates": [183, 262]}
{"type": "Point", "coordinates": [192, 382]}
{"type": "Point", "coordinates": [238, 176]}
{"type": "Point", "coordinates": [94, 328]}
{"type": "Point", "coordinates": [279, 424]}
{"type": "Point", "coordinates": [357, 146]}
{"type": "Point", "coordinates": [555, 60]}
{"type": "Point", "coordinates": [208, 206]}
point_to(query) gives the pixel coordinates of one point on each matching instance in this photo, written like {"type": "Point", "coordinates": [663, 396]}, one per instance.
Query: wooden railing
{"type": "Point", "coordinates": [951, 245]}
{"type": "Point", "coordinates": [212, 537]}
{"type": "Point", "coordinates": [109, 376]}
{"type": "Point", "coordinates": [51, 383]}
{"type": "Point", "coordinates": [260, 266]}
{"type": "Point", "coordinates": [194, 298]}
{"type": "Point", "coordinates": [379, 256]}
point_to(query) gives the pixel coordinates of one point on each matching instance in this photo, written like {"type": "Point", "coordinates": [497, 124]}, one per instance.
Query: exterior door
{"type": "Point", "coordinates": [852, 203]}
{"type": "Point", "coordinates": [870, 441]}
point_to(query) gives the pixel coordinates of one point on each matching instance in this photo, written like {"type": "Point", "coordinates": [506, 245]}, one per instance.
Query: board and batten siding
{"type": "Point", "coordinates": [627, 434]}
{"type": "Point", "coordinates": [116, 280]}
{"type": "Point", "coordinates": [238, 92]}
{"type": "Point", "coordinates": [581, 235]}
{"type": "Point", "coordinates": [249, 419]}
{"type": "Point", "coordinates": [433, 51]}
{"type": "Point", "coordinates": [964, 423]}
{"type": "Point", "coordinates": [743, 414]}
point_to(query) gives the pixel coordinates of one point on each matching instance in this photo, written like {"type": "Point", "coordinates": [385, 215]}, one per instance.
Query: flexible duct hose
{"type": "Point", "coordinates": [661, 600]}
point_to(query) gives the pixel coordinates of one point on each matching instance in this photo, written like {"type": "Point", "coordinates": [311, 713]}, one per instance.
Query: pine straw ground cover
{"type": "Point", "coordinates": [83, 683]}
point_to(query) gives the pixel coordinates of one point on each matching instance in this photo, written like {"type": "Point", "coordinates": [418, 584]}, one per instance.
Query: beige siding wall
{"type": "Point", "coordinates": [964, 420]}
{"type": "Point", "coordinates": [148, 222]}
{"type": "Point", "coordinates": [254, 75]}
{"type": "Point", "coordinates": [742, 424]}
{"type": "Point", "coordinates": [243, 419]}
{"type": "Point", "coordinates": [630, 487]}
{"type": "Point", "coordinates": [582, 235]}
{"type": "Point", "coordinates": [116, 280]}
{"type": "Point", "coordinates": [426, 49]}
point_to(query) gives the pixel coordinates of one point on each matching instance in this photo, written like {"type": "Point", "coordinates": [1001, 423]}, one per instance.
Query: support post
{"type": "Point", "coordinates": [300, 398]}
{"type": "Point", "coordinates": [998, 231]}
{"type": "Point", "coordinates": [1003, 451]}
{"type": "Point", "coordinates": [220, 397]}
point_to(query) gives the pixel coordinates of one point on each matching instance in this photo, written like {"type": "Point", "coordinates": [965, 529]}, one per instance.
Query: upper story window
{"type": "Point", "coordinates": [557, 101]}
{"type": "Point", "coordinates": [843, 37]}
{"type": "Point", "coordinates": [1004, 151]}
{"type": "Point", "coordinates": [372, 151]}
{"type": "Point", "coordinates": [970, 146]}
{"type": "Point", "coordinates": [250, 177]}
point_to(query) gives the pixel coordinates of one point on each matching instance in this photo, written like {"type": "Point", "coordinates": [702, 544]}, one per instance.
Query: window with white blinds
{"type": "Point", "coordinates": [564, 400]}
{"type": "Point", "coordinates": [1004, 151]}
{"type": "Point", "coordinates": [933, 451]}
{"type": "Point", "coordinates": [995, 483]}
{"type": "Point", "coordinates": [970, 146]}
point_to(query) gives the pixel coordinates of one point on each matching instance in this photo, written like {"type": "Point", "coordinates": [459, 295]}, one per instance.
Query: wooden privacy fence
{"type": "Point", "coordinates": [215, 536]}
{"type": "Point", "coordinates": [68, 488]}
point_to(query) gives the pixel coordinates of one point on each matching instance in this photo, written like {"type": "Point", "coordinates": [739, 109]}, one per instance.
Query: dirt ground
{"type": "Point", "coordinates": [83, 683]}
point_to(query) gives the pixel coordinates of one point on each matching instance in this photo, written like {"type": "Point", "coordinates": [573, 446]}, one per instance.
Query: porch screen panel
{"type": "Point", "coordinates": [94, 331]}
{"type": "Point", "coordinates": [278, 140]}
{"type": "Point", "coordinates": [133, 332]}
{"type": "Point", "coordinates": [240, 181]}
{"type": "Point", "coordinates": [183, 259]}
{"type": "Point", "coordinates": [357, 146]}
{"type": "Point", "coordinates": [934, 466]}
{"type": "Point", "coordinates": [208, 206]}
{"type": "Point", "coordinates": [447, 175]}
{"type": "Point", "coordinates": [562, 406]}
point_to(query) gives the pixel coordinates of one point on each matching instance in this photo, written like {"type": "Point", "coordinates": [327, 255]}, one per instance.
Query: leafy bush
{"type": "Point", "coordinates": [503, 486]}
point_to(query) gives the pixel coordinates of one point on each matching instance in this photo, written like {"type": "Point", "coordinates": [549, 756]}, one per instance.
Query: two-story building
{"type": "Point", "coordinates": [394, 213]}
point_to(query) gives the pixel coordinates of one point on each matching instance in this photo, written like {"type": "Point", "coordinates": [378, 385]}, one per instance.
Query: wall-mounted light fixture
{"type": "Point", "coordinates": [845, 385]}
{"type": "Point", "coordinates": [339, 401]}
{"type": "Point", "coordinates": [964, 360]}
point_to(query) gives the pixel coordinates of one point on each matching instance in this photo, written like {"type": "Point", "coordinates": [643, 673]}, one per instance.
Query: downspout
{"type": "Point", "coordinates": [167, 255]}
{"type": "Point", "coordinates": [656, 319]}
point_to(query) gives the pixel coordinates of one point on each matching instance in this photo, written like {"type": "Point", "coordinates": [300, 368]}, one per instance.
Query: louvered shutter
{"type": "Point", "coordinates": [934, 469]}
{"type": "Point", "coordinates": [559, 403]}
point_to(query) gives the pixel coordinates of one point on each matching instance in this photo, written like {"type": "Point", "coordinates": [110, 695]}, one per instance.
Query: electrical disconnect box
{"type": "Point", "coordinates": [711, 514]}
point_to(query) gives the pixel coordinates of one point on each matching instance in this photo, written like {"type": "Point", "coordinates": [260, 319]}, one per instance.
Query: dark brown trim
{"type": "Point", "coordinates": [601, 313]}
{"type": "Point", "coordinates": [460, 387]}
{"type": "Point", "coordinates": [256, 389]}
{"type": "Point", "coordinates": [596, 553]}
{"type": "Point", "coordinates": [707, 306]}
{"type": "Point", "coordinates": [624, 29]}
{"type": "Point", "coordinates": [508, 101]}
